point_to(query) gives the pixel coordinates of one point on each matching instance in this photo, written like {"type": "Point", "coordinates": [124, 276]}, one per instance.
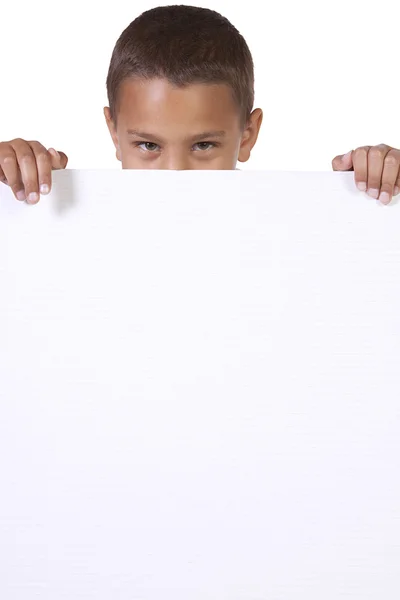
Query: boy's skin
{"type": "Point", "coordinates": [160, 126]}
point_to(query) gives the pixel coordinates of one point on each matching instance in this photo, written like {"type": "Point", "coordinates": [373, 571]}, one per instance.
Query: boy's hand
{"type": "Point", "coordinates": [26, 167]}
{"type": "Point", "coordinates": [376, 169]}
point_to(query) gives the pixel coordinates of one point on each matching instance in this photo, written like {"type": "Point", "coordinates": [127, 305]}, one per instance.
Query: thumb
{"type": "Point", "coordinates": [59, 160]}
{"type": "Point", "coordinates": [343, 162]}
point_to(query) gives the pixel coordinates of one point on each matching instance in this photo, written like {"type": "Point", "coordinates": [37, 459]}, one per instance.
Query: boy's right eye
{"type": "Point", "coordinates": [148, 146]}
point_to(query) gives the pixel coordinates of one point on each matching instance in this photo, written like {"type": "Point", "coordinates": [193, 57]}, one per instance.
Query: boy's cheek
{"type": "Point", "coordinates": [128, 156]}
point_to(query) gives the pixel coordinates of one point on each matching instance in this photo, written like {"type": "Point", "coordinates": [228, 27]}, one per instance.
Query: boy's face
{"type": "Point", "coordinates": [160, 126]}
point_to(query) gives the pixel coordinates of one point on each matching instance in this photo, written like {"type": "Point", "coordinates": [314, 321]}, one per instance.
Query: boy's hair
{"type": "Point", "coordinates": [185, 45]}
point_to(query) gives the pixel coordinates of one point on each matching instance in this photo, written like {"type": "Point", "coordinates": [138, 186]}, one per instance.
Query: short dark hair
{"type": "Point", "coordinates": [185, 45]}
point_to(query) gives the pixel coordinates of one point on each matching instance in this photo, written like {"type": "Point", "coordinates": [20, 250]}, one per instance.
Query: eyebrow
{"type": "Point", "coordinates": [195, 138]}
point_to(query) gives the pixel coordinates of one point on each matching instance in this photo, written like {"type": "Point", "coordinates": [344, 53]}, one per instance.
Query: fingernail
{"type": "Point", "coordinates": [362, 186]}
{"type": "Point", "coordinates": [384, 198]}
{"type": "Point", "coordinates": [396, 191]}
{"type": "Point", "coordinates": [21, 195]}
{"type": "Point", "coordinates": [44, 188]}
{"type": "Point", "coordinates": [33, 197]}
{"type": "Point", "coordinates": [373, 193]}
{"type": "Point", "coordinates": [345, 157]}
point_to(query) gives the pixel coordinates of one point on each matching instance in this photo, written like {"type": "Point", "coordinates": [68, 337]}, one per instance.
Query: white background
{"type": "Point", "coordinates": [326, 75]}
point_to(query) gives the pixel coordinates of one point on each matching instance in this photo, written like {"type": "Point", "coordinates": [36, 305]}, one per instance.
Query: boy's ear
{"type": "Point", "coordinates": [250, 135]}
{"type": "Point", "coordinates": [112, 130]}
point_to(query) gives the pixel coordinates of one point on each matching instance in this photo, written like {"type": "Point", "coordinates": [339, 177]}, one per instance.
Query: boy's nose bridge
{"type": "Point", "coordinates": [176, 159]}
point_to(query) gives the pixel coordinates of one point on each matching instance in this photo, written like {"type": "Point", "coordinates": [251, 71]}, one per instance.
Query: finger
{"type": "Point", "coordinates": [390, 174]}
{"type": "Point", "coordinates": [343, 162]}
{"type": "Point", "coordinates": [3, 178]}
{"type": "Point", "coordinates": [11, 171]}
{"type": "Point", "coordinates": [27, 164]}
{"type": "Point", "coordinates": [59, 160]}
{"type": "Point", "coordinates": [360, 162]}
{"type": "Point", "coordinates": [64, 159]}
{"type": "Point", "coordinates": [396, 190]}
{"type": "Point", "coordinates": [43, 165]}
{"type": "Point", "coordinates": [376, 157]}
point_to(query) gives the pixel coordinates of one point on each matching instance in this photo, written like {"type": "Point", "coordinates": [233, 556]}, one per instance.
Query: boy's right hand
{"type": "Point", "coordinates": [26, 167]}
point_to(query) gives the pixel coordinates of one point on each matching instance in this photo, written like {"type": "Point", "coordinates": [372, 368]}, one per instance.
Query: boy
{"type": "Point", "coordinates": [181, 89]}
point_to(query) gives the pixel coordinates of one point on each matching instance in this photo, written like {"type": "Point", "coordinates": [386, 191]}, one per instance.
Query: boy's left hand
{"type": "Point", "coordinates": [376, 169]}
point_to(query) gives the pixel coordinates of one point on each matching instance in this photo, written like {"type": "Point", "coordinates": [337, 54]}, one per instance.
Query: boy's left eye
{"type": "Point", "coordinates": [149, 146]}
{"type": "Point", "coordinates": [204, 145]}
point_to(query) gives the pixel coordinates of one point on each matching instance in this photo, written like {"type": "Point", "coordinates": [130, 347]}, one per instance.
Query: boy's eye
{"type": "Point", "coordinates": [148, 146]}
{"type": "Point", "coordinates": [153, 147]}
{"type": "Point", "coordinates": [204, 145]}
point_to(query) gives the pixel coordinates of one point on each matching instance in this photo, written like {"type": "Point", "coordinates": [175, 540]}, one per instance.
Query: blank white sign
{"type": "Point", "coordinates": [200, 389]}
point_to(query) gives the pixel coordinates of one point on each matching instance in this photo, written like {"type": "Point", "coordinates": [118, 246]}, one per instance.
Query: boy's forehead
{"type": "Point", "coordinates": [157, 101]}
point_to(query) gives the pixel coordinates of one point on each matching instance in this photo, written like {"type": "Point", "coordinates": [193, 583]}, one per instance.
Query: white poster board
{"type": "Point", "coordinates": [200, 389]}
